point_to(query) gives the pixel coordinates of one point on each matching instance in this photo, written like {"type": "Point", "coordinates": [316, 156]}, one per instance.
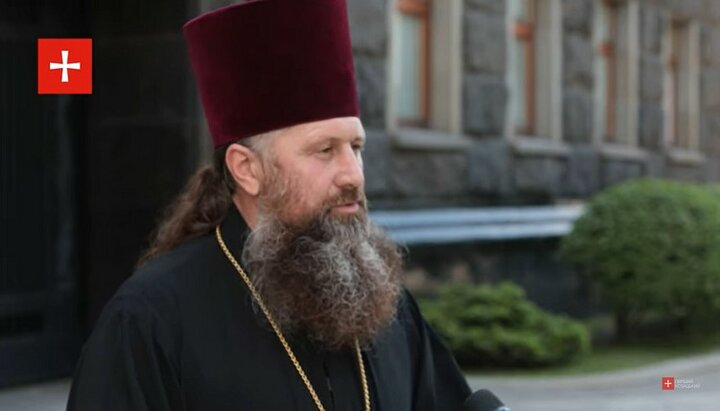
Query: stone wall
{"type": "Point", "coordinates": [578, 76]}
{"type": "Point", "coordinates": [493, 170]}
{"type": "Point", "coordinates": [490, 170]}
{"type": "Point", "coordinates": [484, 64]}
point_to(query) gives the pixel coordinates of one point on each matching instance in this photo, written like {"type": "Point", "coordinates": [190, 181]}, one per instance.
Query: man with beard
{"type": "Point", "coordinates": [266, 286]}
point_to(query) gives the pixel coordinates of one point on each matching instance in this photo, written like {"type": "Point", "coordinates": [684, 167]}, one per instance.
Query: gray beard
{"type": "Point", "coordinates": [333, 280]}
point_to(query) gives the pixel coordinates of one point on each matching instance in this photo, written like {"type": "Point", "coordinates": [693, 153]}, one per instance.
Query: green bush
{"type": "Point", "coordinates": [654, 248]}
{"type": "Point", "coordinates": [497, 326]}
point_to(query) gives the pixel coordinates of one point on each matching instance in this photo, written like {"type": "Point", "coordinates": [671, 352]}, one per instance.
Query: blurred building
{"type": "Point", "coordinates": [534, 101]}
{"type": "Point", "coordinates": [487, 103]}
{"type": "Point", "coordinates": [467, 103]}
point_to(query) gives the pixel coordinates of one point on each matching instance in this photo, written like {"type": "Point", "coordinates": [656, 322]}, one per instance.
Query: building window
{"type": "Point", "coordinates": [682, 62]}
{"type": "Point", "coordinates": [426, 65]}
{"type": "Point", "coordinates": [524, 73]}
{"type": "Point", "coordinates": [617, 44]}
{"type": "Point", "coordinates": [413, 43]}
{"type": "Point", "coordinates": [534, 68]}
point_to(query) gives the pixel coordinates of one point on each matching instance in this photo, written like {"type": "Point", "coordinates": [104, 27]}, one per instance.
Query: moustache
{"type": "Point", "coordinates": [346, 196]}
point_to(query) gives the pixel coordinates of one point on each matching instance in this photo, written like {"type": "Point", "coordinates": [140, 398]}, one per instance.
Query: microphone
{"type": "Point", "coordinates": [484, 400]}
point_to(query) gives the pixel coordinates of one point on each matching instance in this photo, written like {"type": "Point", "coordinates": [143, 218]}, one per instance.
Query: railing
{"type": "Point", "coordinates": [461, 225]}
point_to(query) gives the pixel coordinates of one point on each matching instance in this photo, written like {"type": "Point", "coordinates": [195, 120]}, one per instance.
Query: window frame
{"type": "Point", "coordinates": [609, 68]}
{"type": "Point", "coordinates": [524, 33]}
{"type": "Point", "coordinates": [422, 10]}
{"type": "Point", "coordinates": [442, 126]}
{"type": "Point", "coordinates": [671, 90]}
{"type": "Point", "coordinates": [544, 75]}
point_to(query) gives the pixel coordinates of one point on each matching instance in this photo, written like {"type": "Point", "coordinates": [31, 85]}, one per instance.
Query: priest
{"type": "Point", "coordinates": [266, 286]}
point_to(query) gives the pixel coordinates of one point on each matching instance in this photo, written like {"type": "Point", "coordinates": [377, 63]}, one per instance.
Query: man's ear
{"type": "Point", "coordinates": [244, 167]}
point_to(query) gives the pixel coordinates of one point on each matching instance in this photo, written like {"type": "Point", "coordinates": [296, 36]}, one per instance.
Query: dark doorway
{"type": "Point", "coordinates": [85, 177]}
{"type": "Point", "coordinates": [42, 144]}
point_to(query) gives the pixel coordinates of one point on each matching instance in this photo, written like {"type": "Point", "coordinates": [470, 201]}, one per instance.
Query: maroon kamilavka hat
{"type": "Point", "coordinates": [267, 64]}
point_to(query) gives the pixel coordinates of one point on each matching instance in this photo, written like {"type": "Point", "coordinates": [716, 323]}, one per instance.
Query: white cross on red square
{"type": "Point", "coordinates": [64, 66]}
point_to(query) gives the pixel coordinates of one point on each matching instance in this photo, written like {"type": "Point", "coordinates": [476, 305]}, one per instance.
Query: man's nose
{"type": "Point", "coordinates": [351, 169]}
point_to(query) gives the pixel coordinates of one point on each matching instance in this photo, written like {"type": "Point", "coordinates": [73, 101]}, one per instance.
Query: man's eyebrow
{"type": "Point", "coordinates": [322, 138]}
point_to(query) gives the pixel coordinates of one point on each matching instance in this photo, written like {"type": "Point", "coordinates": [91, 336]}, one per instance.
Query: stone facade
{"type": "Point", "coordinates": [490, 159]}
{"type": "Point", "coordinates": [491, 170]}
{"type": "Point", "coordinates": [484, 91]}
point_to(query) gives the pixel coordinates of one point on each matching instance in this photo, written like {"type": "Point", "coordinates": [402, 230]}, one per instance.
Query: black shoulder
{"type": "Point", "coordinates": [164, 283]}
{"type": "Point", "coordinates": [408, 314]}
{"type": "Point", "coordinates": [170, 271]}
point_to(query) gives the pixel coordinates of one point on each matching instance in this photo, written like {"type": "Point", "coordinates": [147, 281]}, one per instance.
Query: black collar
{"type": "Point", "coordinates": [235, 231]}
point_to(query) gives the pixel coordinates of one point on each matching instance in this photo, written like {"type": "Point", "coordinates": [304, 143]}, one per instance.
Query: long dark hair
{"type": "Point", "coordinates": [201, 206]}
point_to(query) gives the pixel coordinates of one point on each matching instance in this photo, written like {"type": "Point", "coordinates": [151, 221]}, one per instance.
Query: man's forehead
{"type": "Point", "coordinates": [344, 128]}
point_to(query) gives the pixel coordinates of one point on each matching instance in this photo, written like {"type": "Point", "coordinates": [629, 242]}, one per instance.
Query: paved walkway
{"type": "Point", "coordinates": [697, 388]}
{"type": "Point", "coordinates": [633, 390]}
{"type": "Point", "coordinates": [49, 396]}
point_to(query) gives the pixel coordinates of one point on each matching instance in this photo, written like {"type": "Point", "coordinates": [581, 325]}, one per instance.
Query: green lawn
{"type": "Point", "coordinates": [618, 357]}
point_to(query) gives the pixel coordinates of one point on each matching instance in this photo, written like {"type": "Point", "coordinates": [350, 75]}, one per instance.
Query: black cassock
{"type": "Point", "coordinates": [181, 334]}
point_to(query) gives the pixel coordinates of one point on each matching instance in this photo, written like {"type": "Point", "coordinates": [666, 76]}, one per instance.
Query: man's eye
{"type": "Point", "coordinates": [358, 147]}
{"type": "Point", "coordinates": [326, 149]}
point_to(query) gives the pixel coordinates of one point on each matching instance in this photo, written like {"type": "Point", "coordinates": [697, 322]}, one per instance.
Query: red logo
{"type": "Point", "coordinates": [64, 66]}
{"type": "Point", "coordinates": [668, 383]}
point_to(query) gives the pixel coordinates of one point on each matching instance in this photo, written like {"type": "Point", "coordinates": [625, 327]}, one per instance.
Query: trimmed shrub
{"type": "Point", "coordinates": [654, 248]}
{"type": "Point", "coordinates": [498, 326]}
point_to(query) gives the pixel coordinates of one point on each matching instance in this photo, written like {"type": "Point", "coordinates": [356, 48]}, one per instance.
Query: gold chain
{"type": "Point", "coordinates": [281, 337]}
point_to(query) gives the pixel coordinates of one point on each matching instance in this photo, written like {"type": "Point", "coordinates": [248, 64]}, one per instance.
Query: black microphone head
{"type": "Point", "coordinates": [484, 400]}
